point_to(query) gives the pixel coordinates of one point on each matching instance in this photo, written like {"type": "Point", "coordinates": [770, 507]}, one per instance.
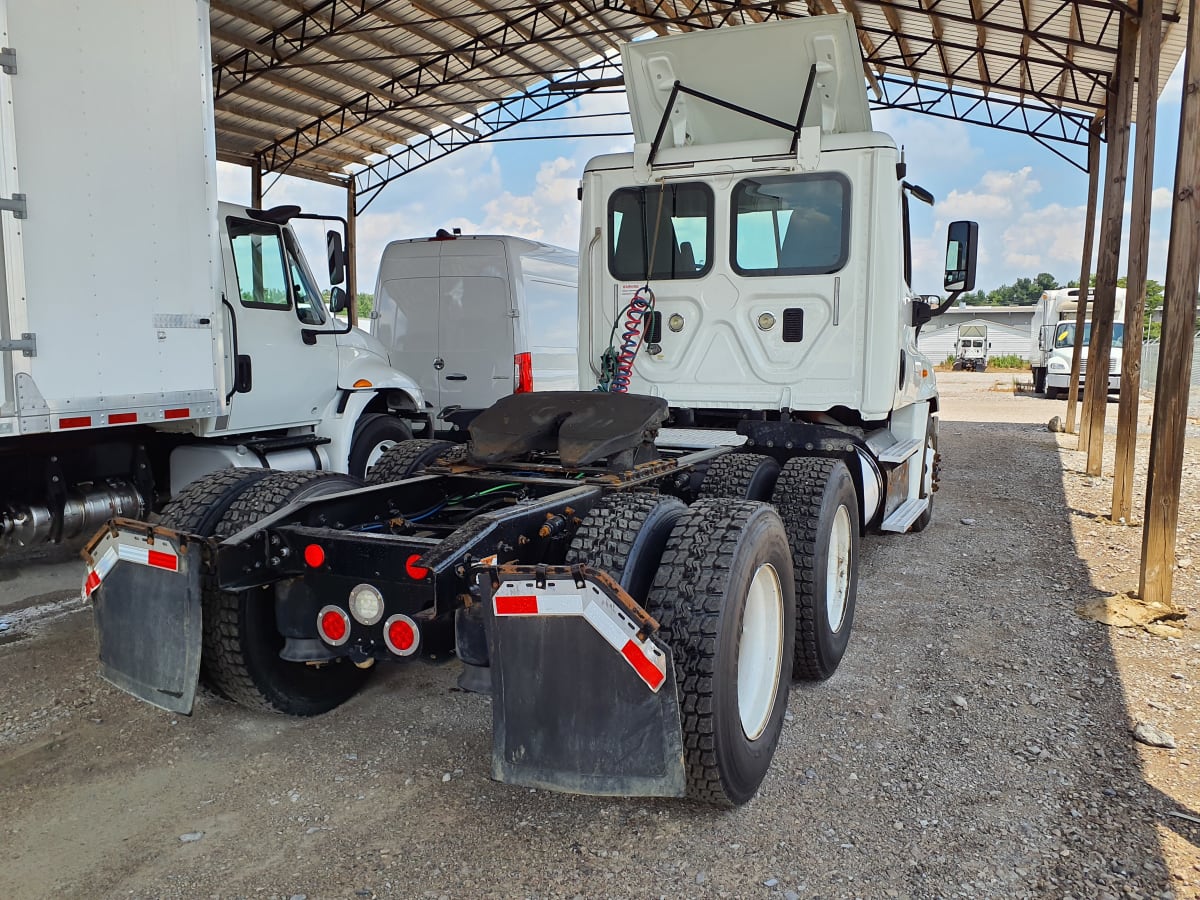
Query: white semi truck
{"type": "Point", "coordinates": [1053, 340]}
{"type": "Point", "coordinates": [148, 334]}
{"type": "Point", "coordinates": [971, 348]}
{"type": "Point", "coordinates": [635, 573]}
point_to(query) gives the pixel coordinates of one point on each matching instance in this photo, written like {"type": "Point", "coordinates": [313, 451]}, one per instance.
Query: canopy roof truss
{"type": "Point", "coordinates": [371, 89]}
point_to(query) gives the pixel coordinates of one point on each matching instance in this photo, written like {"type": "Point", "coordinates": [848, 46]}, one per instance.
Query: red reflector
{"type": "Point", "coordinates": [643, 666]}
{"type": "Point", "coordinates": [333, 626]}
{"type": "Point", "coordinates": [122, 418]}
{"type": "Point", "coordinates": [163, 560]}
{"type": "Point", "coordinates": [402, 636]}
{"type": "Point", "coordinates": [314, 555]}
{"type": "Point", "coordinates": [413, 570]}
{"type": "Point", "coordinates": [517, 606]}
{"type": "Point", "coordinates": [75, 422]}
{"type": "Point", "coordinates": [522, 373]}
{"type": "Point", "coordinates": [181, 413]}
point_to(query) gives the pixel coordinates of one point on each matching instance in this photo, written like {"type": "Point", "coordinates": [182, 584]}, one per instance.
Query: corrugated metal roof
{"type": "Point", "coordinates": [320, 88]}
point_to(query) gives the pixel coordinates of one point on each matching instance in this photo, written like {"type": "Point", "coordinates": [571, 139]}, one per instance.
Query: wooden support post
{"type": "Point", "coordinates": [1095, 383]}
{"type": "Point", "coordinates": [1150, 39]}
{"type": "Point", "coordinates": [351, 249]}
{"type": "Point", "coordinates": [256, 192]}
{"type": "Point", "coordinates": [1085, 272]}
{"type": "Point", "coordinates": [1175, 349]}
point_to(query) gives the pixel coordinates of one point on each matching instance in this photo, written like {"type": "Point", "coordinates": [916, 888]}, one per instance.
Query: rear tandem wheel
{"type": "Point", "coordinates": [241, 640]}
{"type": "Point", "coordinates": [724, 597]}
{"type": "Point", "coordinates": [818, 503]}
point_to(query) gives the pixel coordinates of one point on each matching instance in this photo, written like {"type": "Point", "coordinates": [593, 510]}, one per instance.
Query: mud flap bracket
{"type": "Point", "coordinates": [583, 700]}
{"type": "Point", "coordinates": [145, 588]}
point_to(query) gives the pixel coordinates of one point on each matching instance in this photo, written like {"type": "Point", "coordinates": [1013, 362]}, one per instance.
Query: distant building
{"type": "Point", "coordinates": [1009, 330]}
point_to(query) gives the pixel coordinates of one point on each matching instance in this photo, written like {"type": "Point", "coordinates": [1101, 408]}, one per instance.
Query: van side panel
{"type": "Point", "coordinates": [549, 284]}
{"type": "Point", "coordinates": [406, 311]}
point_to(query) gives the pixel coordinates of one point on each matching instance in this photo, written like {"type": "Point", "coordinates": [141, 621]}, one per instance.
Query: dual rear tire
{"type": "Point", "coordinates": [241, 643]}
{"type": "Point", "coordinates": [717, 577]}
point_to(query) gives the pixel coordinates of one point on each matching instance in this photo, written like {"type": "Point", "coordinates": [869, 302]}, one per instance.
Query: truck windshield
{"type": "Point", "coordinates": [668, 227]}
{"type": "Point", "coordinates": [1064, 335]}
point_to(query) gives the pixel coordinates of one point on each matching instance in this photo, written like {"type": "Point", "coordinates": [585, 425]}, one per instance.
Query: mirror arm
{"type": "Point", "coordinates": [947, 303]}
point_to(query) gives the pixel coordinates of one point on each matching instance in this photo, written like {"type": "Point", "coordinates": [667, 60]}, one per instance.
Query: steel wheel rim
{"type": "Point", "coordinates": [837, 569]}
{"type": "Point", "coordinates": [377, 453]}
{"type": "Point", "coordinates": [760, 650]}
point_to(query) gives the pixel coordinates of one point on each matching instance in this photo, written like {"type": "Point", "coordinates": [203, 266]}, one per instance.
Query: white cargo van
{"type": "Point", "coordinates": [475, 318]}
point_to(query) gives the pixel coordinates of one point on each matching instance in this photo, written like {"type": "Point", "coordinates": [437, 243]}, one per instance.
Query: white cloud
{"type": "Point", "coordinates": [1020, 237]}
{"type": "Point", "coordinates": [1160, 198]}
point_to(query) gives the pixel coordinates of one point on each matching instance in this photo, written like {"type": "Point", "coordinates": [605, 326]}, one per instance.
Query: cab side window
{"type": "Point", "coordinates": [258, 259]}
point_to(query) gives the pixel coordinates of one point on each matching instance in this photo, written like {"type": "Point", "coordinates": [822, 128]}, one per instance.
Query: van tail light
{"type": "Point", "coordinates": [522, 373]}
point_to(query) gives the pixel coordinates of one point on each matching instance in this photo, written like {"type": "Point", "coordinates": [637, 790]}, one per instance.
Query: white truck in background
{"type": "Point", "coordinates": [148, 334]}
{"type": "Point", "coordinates": [971, 348]}
{"type": "Point", "coordinates": [1053, 339]}
{"type": "Point", "coordinates": [475, 318]}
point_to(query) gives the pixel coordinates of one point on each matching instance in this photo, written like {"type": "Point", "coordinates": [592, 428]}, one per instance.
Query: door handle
{"type": "Point", "coordinates": [456, 377]}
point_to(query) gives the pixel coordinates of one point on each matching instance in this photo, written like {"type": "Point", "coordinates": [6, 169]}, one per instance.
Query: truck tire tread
{"type": "Point", "coordinates": [624, 535]}
{"type": "Point", "coordinates": [198, 507]}
{"type": "Point", "coordinates": [689, 600]}
{"type": "Point", "coordinates": [409, 458]}
{"type": "Point", "coordinates": [740, 476]}
{"type": "Point", "coordinates": [224, 633]}
{"type": "Point", "coordinates": [798, 497]}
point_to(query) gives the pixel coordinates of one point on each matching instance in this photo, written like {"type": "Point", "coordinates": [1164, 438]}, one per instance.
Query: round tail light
{"type": "Point", "coordinates": [401, 635]}
{"type": "Point", "coordinates": [333, 625]}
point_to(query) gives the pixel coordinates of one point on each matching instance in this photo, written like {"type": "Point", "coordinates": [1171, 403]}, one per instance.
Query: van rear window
{"type": "Point", "coordinates": [660, 232]}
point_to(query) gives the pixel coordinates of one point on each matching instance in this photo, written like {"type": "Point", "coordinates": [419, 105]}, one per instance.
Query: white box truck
{"type": "Point", "coordinates": [477, 317]}
{"type": "Point", "coordinates": [149, 335]}
{"type": "Point", "coordinates": [635, 573]}
{"type": "Point", "coordinates": [1052, 338]}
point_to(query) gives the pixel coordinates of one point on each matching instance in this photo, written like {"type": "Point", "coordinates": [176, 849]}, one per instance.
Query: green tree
{"type": "Point", "coordinates": [365, 302]}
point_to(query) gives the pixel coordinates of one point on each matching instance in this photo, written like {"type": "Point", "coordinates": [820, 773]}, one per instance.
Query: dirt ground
{"type": "Point", "coordinates": [976, 740]}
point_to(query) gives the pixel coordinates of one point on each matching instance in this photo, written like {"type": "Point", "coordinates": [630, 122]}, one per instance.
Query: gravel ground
{"type": "Point", "coordinates": [975, 742]}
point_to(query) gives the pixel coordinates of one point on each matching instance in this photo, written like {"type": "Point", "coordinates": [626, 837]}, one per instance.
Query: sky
{"type": "Point", "coordinates": [1029, 203]}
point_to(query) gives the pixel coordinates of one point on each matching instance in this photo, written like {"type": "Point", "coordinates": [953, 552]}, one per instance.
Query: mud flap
{"type": "Point", "coordinates": [145, 588]}
{"type": "Point", "coordinates": [582, 700]}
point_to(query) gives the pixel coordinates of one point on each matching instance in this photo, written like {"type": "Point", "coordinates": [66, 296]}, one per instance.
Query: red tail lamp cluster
{"type": "Point", "coordinates": [333, 624]}
{"type": "Point", "coordinates": [401, 635]}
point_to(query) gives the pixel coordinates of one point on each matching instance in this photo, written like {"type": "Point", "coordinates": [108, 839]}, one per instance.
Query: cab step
{"type": "Point", "coordinates": [904, 515]}
{"type": "Point", "coordinates": [901, 450]}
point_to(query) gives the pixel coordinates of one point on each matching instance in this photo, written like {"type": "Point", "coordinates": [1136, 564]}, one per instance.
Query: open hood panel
{"type": "Point", "coordinates": [762, 68]}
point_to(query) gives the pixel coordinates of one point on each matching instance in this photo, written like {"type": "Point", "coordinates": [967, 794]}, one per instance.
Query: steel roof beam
{"type": "Point", "coordinates": [371, 179]}
{"type": "Point", "coordinates": [306, 29]}
{"type": "Point", "coordinates": [421, 79]}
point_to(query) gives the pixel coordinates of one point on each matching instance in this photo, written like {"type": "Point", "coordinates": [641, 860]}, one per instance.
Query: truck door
{"type": "Point", "coordinates": [476, 325]}
{"type": "Point", "coordinates": [274, 300]}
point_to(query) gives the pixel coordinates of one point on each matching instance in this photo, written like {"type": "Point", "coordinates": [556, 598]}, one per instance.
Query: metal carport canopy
{"type": "Point", "coordinates": [334, 90]}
